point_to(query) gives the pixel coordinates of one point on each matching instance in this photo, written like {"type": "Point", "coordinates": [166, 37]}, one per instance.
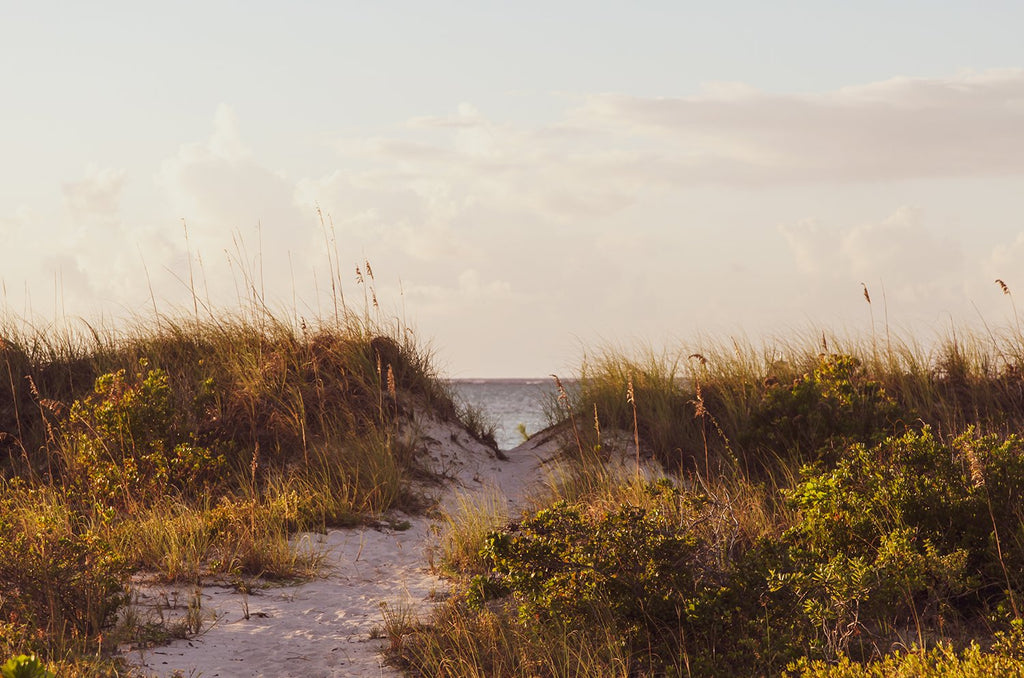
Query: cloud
{"type": "Point", "coordinates": [467, 117]}
{"type": "Point", "coordinates": [542, 172]}
{"type": "Point", "coordinates": [247, 220]}
{"type": "Point", "coordinates": [921, 272]}
{"type": "Point", "coordinates": [623, 214]}
{"type": "Point", "coordinates": [1006, 261]}
{"type": "Point", "coordinates": [97, 196]}
{"type": "Point", "coordinates": [471, 291]}
{"type": "Point", "coordinates": [611, 152]}
{"type": "Point", "coordinates": [74, 257]}
{"type": "Point", "coordinates": [966, 125]}
{"type": "Point", "coordinates": [219, 185]}
{"type": "Point", "coordinates": [394, 213]}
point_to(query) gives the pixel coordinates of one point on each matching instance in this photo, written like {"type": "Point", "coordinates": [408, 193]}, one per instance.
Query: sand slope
{"type": "Point", "coordinates": [330, 626]}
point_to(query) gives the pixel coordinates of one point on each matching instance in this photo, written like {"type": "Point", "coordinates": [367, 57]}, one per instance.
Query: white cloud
{"type": "Point", "coordinates": [74, 258]}
{"type": "Point", "coordinates": [921, 272]}
{"type": "Point", "coordinates": [542, 172]}
{"type": "Point", "coordinates": [97, 196]}
{"type": "Point", "coordinates": [613, 151]}
{"type": "Point", "coordinates": [967, 125]}
{"type": "Point", "coordinates": [219, 184]}
{"type": "Point", "coordinates": [470, 292]}
{"type": "Point", "coordinates": [1006, 262]}
{"type": "Point", "coordinates": [625, 214]}
{"type": "Point", "coordinates": [245, 219]}
{"type": "Point", "coordinates": [467, 116]}
{"type": "Point", "coordinates": [472, 286]}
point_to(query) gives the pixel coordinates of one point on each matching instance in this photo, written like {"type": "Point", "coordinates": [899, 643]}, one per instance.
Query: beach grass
{"type": "Point", "coordinates": [193, 449]}
{"type": "Point", "coordinates": [822, 506]}
{"type": "Point", "coordinates": [816, 506]}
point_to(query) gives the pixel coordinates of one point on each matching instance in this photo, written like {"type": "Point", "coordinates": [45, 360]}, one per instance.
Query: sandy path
{"type": "Point", "coordinates": [330, 627]}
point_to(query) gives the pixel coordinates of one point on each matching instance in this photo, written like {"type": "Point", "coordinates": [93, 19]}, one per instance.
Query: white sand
{"type": "Point", "coordinates": [331, 626]}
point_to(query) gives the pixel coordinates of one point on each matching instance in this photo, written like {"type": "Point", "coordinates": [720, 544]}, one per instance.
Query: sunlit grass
{"type": "Point", "coordinates": [192, 448]}
{"type": "Point", "coordinates": [696, 403]}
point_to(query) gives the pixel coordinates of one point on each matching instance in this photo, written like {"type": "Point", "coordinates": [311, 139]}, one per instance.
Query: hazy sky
{"type": "Point", "coordinates": [525, 178]}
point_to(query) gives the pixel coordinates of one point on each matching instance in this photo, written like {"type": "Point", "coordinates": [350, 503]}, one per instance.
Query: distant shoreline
{"type": "Point", "coordinates": [505, 380]}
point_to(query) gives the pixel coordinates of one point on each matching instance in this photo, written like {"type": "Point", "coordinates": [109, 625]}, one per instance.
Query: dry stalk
{"type": "Point", "coordinates": [43, 404]}
{"type": "Point", "coordinates": [631, 399]}
{"type": "Point", "coordinates": [871, 313]}
{"type": "Point", "coordinates": [14, 401]}
{"type": "Point", "coordinates": [563, 398]}
{"type": "Point", "coordinates": [1006, 290]}
{"type": "Point", "coordinates": [393, 392]}
{"type": "Point", "coordinates": [700, 410]}
{"type": "Point", "coordinates": [253, 466]}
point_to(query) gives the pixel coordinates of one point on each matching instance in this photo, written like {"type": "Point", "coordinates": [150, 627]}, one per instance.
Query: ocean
{"type": "Point", "coordinates": [508, 403]}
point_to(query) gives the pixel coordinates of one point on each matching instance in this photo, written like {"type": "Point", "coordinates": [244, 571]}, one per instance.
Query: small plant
{"type": "Point", "coordinates": [467, 523]}
{"type": "Point", "coordinates": [125, 444]}
{"type": "Point", "coordinates": [25, 666]}
{"type": "Point", "coordinates": [475, 420]}
{"type": "Point", "coordinates": [399, 622]}
{"type": "Point", "coordinates": [193, 622]}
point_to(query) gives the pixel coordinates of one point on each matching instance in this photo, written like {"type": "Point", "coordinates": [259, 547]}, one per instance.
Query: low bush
{"type": "Point", "coordinates": [125, 446]}
{"type": "Point", "coordinates": [941, 661]}
{"type": "Point", "coordinates": [912, 534]}
{"type": "Point", "coordinates": [25, 666]}
{"type": "Point", "coordinates": [907, 532]}
{"type": "Point", "coordinates": [60, 577]}
{"type": "Point", "coordinates": [669, 577]}
{"type": "Point", "coordinates": [835, 403]}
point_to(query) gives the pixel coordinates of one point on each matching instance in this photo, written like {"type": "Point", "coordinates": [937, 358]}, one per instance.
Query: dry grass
{"type": "Point", "coordinates": [286, 428]}
{"type": "Point", "coordinates": [694, 405]}
{"type": "Point", "coordinates": [464, 526]}
{"type": "Point", "coordinates": [493, 644]}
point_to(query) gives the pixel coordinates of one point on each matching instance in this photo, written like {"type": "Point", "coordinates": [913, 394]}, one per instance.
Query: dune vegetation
{"type": "Point", "coordinates": [815, 507]}
{"type": "Point", "coordinates": [190, 449]}
{"type": "Point", "coordinates": [824, 507]}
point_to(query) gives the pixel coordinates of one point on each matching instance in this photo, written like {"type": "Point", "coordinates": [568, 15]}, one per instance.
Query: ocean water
{"type": "Point", "coordinates": [508, 403]}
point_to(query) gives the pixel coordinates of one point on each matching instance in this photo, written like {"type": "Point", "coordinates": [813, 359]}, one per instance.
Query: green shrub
{"type": "Point", "coordinates": [894, 535]}
{"type": "Point", "coordinates": [836, 401]}
{"type": "Point", "coordinates": [126, 446]}
{"type": "Point", "coordinates": [757, 415]}
{"type": "Point", "coordinates": [902, 531]}
{"type": "Point", "coordinates": [627, 567]}
{"type": "Point", "coordinates": [939, 662]}
{"type": "Point", "coordinates": [25, 666]}
{"type": "Point", "coordinates": [59, 576]}
{"type": "Point", "coordinates": [653, 576]}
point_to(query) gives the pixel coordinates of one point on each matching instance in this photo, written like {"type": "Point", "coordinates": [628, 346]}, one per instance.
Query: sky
{"type": "Point", "coordinates": [529, 181]}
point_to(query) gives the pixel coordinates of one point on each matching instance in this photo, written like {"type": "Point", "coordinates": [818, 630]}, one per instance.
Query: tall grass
{"type": "Point", "coordinates": [703, 399]}
{"type": "Point", "coordinates": [192, 447]}
{"type": "Point", "coordinates": [465, 524]}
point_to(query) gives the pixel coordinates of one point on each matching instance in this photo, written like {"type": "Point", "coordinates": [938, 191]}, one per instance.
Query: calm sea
{"type": "Point", "coordinates": [508, 403]}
